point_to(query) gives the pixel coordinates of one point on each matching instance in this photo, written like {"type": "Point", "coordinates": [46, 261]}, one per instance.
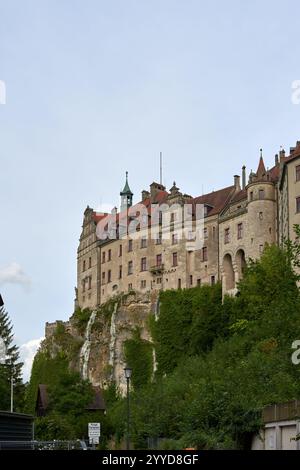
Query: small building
{"type": "Point", "coordinates": [42, 401]}
{"type": "Point", "coordinates": [281, 430]}
{"type": "Point", "coordinates": [15, 427]}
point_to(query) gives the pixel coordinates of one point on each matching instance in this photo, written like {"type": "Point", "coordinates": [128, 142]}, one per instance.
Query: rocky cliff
{"type": "Point", "coordinates": [98, 338]}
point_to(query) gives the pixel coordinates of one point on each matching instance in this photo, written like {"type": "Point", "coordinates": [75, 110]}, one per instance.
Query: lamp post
{"type": "Point", "coordinates": [128, 372]}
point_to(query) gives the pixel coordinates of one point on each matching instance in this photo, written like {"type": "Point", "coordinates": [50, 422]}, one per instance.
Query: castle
{"type": "Point", "coordinates": [238, 221]}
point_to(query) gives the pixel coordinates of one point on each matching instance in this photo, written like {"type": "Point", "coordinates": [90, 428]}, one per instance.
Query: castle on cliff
{"type": "Point", "coordinates": [237, 222]}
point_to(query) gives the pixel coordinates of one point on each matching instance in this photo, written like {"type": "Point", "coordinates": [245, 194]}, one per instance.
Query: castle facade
{"type": "Point", "coordinates": [237, 222]}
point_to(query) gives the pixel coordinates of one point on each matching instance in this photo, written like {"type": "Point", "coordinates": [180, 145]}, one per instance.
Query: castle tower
{"type": "Point", "coordinates": [126, 195]}
{"type": "Point", "coordinates": [261, 195]}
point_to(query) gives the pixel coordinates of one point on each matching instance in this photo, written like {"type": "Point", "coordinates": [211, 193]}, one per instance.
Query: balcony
{"type": "Point", "coordinates": [157, 269]}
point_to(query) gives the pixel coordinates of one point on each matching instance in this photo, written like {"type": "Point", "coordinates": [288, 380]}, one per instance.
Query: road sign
{"type": "Point", "coordinates": [94, 431]}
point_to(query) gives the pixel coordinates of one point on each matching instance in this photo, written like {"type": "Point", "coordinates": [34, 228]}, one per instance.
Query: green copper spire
{"type": "Point", "coordinates": [126, 195]}
{"type": "Point", "coordinates": [126, 189]}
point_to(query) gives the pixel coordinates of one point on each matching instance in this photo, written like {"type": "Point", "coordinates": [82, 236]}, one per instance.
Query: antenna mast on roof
{"type": "Point", "coordinates": [160, 167]}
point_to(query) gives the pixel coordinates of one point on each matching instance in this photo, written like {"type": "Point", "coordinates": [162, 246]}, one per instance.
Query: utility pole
{"type": "Point", "coordinates": [12, 389]}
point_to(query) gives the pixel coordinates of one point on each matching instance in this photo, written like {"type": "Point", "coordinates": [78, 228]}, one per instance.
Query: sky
{"type": "Point", "coordinates": [95, 88]}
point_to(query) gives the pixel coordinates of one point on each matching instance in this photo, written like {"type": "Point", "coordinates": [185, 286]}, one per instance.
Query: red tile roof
{"type": "Point", "coordinates": [216, 199]}
{"type": "Point", "coordinates": [261, 170]}
{"type": "Point", "coordinates": [239, 196]}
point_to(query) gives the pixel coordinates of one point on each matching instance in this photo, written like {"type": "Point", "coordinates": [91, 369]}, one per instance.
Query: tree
{"type": "Point", "coordinates": [10, 366]}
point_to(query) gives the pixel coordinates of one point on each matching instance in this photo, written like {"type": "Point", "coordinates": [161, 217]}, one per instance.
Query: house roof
{"type": "Point", "coordinates": [96, 404]}
{"type": "Point", "coordinates": [215, 199]}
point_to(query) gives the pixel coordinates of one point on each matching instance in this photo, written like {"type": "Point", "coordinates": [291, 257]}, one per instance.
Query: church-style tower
{"type": "Point", "coordinates": [126, 195]}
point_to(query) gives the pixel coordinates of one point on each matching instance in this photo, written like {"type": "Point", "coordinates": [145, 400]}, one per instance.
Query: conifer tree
{"type": "Point", "coordinates": [10, 366]}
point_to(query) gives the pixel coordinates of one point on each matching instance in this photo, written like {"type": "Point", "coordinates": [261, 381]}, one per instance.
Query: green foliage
{"type": "Point", "coordinates": [66, 342]}
{"type": "Point", "coordinates": [139, 355]}
{"type": "Point", "coordinates": [68, 395]}
{"type": "Point", "coordinates": [81, 318]}
{"type": "Point", "coordinates": [220, 363]}
{"type": "Point", "coordinates": [188, 323]}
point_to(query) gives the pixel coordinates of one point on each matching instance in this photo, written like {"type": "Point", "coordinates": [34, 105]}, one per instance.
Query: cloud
{"type": "Point", "coordinates": [14, 274]}
{"type": "Point", "coordinates": [27, 353]}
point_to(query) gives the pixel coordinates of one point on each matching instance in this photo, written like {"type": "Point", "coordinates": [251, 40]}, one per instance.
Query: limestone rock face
{"type": "Point", "coordinates": [101, 357]}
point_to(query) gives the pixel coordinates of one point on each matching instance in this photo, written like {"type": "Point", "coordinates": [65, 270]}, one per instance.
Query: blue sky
{"type": "Point", "coordinates": [96, 88]}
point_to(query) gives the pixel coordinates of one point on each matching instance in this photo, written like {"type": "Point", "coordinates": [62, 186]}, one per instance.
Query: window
{"type": "Point", "coordinates": [175, 260]}
{"type": "Point", "coordinates": [261, 216]}
{"type": "Point", "coordinates": [204, 253]}
{"type": "Point", "coordinates": [158, 239]}
{"type": "Point", "coordinates": [226, 235]}
{"type": "Point", "coordinates": [90, 262]}
{"type": "Point", "coordinates": [261, 194]}
{"type": "Point", "coordinates": [173, 216]}
{"type": "Point", "coordinates": [158, 280]}
{"type": "Point", "coordinates": [214, 233]}
{"type": "Point", "coordinates": [212, 280]}
{"type": "Point", "coordinates": [103, 257]}
{"type": "Point", "coordinates": [191, 280]}
{"type": "Point", "coordinates": [109, 255]}
{"type": "Point", "coordinates": [120, 250]}
{"type": "Point", "coordinates": [198, 282]}
{"type": "Point", "coordinates": [240, 231]}
{"type": "Point", "coordinates": [298, 204]}
{"type": "Point", "coordinates": [251, 196]}
{"type": "Point", "coordinates": [158, 260]}
{"type": "Point", "coordinates": [83, 285]}
{"type": "Point", "coordinates": [109, 276]}
{"type": "Point", "coordinates": [144, 242]}
{"type": "Point", "coordinates": [190, 235]}
{"type": "Point", "coordinates": [103, 277]}
{"type": "Point", "coordinates": [298, 173]}
{"type": "Point", "coordinates": [83, 266]}
{"type": "Point", "coordinates": [179, 283]}
{"type": "Point", "coordinates": [261, 248]}
{"type": "Point", "coordinates": [174, 238]}
{"type": "Point", "coordinates": [144, 264]}
{"type": "Point", "coordinates": [120, 272]}
{"type": "Point", "coordinates": [129, 245]}
{"type": "Point", "coordinates": [90, 282]}
{"type": "Point", "coordinates": [129, 287]}
{"type": "Point", "coordinates": [130, 267]}
{"type": "Point", "coordinates": [205, 233]}
{"type": "Point", "coordinates": [143, 284]}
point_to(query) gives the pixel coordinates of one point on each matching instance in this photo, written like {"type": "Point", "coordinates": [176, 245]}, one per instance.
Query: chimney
{"type": "Point", "coordinates": [276, 159]}
{"type": "Point", "coordinates": [155, 188]}
{"type": "Point", "coordinates": [237, 182]}
{"type": "Point", "coordinates": [243, 177]}
{"type": "Point", "coordinates": [145, 194]}
{"type": "Point", "coordinates": [282, 155]}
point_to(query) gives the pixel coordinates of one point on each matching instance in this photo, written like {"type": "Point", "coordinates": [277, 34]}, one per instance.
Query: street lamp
{"type": "Point", "coordinates": [128, 373]}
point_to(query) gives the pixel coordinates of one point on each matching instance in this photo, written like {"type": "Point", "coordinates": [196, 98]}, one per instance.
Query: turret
{"type": "Point", "coordinates": [126, 196]}
{"type": "Point", "coordinates": [261, 210]}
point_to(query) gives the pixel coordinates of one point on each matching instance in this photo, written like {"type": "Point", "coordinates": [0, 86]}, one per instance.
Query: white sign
{"type": "Point", "coordinates": [94, 431]}
{"type": "Point", "coordinates": [94, 440]}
